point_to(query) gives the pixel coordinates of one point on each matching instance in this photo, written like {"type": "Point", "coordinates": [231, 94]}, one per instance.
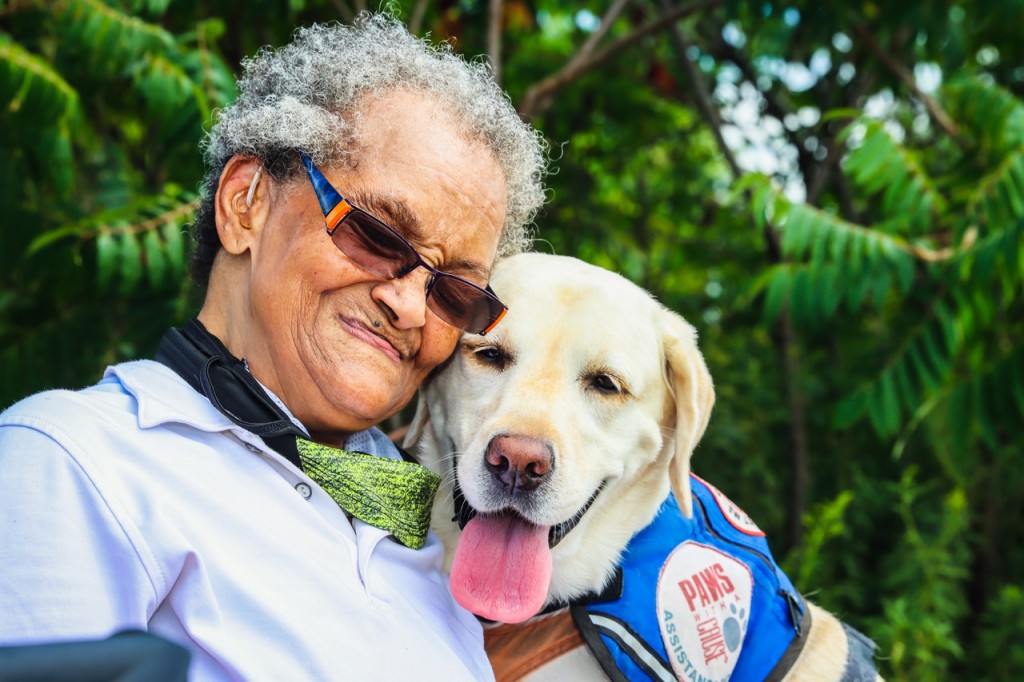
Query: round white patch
{"type": "Point", "coordinates": [733, 514]}
{"type": "Point", "coordinates": [703, 608]}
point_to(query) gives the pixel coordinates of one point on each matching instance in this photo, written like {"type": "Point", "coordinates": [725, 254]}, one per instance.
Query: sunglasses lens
{"type": "Point", "coordinates": [382, 252]}
{"type": "Point", "coordinates": [372, 246]}
{"type": "Point", "coordinates": [463, 305]}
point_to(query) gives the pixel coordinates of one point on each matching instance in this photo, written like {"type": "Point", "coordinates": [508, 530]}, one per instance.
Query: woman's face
{"type": "Point", "coordinates": [343, 349]}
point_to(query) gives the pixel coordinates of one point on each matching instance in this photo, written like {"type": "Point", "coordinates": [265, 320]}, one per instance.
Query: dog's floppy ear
{"type": "Point", "coordinates": [422, 419]}
{"type": "Point", "coordinates": [425, 437]}
{"type": "Point", "coordinates": [694, 395]}
{"type": "Point", "coordinates": [419, 421]}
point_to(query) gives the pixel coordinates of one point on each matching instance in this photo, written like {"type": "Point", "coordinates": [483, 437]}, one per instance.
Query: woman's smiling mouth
{"type": "Point", "coordinates": [364, 333]}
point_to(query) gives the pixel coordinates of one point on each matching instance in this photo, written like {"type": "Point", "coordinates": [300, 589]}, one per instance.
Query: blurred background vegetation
{"type": "Point", "coordinates": [833, 193]}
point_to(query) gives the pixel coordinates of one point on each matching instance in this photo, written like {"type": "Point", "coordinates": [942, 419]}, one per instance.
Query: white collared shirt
{"type": "Point", "coordinates": [136, 504]}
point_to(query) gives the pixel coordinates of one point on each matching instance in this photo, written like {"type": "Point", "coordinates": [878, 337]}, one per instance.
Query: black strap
{"type": "Point", "coordinates": [803, 628]}
{"type": "Point", "coordinates": [463, 512]}
{"type": "Point", "coordinates": [199, 357]}
{"type": "Point", "coordinates": [593, 633]}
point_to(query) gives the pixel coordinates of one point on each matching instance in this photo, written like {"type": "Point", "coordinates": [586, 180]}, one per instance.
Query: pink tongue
{"type": "Point", "coordinates": [502, 568]}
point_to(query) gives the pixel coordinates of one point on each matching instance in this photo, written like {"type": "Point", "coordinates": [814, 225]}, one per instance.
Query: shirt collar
{"type": "Point", "coordinates": [162, 396]}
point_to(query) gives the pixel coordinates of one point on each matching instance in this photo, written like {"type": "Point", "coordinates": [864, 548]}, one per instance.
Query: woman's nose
{"type": "Point", "coordinates": [406, 298]}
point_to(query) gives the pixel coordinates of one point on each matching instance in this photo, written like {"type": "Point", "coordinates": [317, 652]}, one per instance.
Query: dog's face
{"type": "Point", "coordinates": [562, 429]}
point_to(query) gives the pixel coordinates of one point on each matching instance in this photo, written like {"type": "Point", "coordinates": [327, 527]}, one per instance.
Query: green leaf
{"type": "Point", "coordinates": [130, 264]}
{"type": "Point", "coordinates": [924, 373]}
{"type": "Point", "coordinates": [890, 404]}
{"type": "Point", "coordinates": [800, 295]}
{"type": "Point", "coordinates": [840, 114]}
{"type": "Point", "coordinates": [857, 291]}
{"type": "Point", "coordinates": [839, 238]}
{"type": "Point", "coordinates": [107, 257]}
{"type": "Point", "coordinates": [880, 287]}
{"type": "Point", "coordinates": [904, 386]}
{"type": "Point", "coordinates": [112, 40]}
{"type": "Point", "coordinates": [164, 84]}
{"type": "Point", "coordinates": [175, 249]}
{"type": "Point", "coordinates": [779, 289]}
{"type": "Point", "coordinates": [156, 261]}
{"type": "Point", "coordinates": [950, 324]}
{"type": "Point", "coordinates": [877, 415]}
{"type": "Point", "coordinates": [850, 409]}
{"type": "Point", "coordinates": [905, 271]}
{"type": "Point", "coordinates": [830, 291]}
{"type": "Point", "coordinates": [819, 241]}
{"type": "Point", "coordinates": [1011, 195]}
{"type": "Point", "coordinates": [980, 413]}
{"type": "Point", "coordinates": [31, 88]}
{"type": "Point", "coordinates": [938, 360]}
{"type": "Point", "coordinates": [796, 232]}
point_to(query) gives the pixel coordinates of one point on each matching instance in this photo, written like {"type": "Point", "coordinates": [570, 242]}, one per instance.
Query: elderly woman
{"type": "Point", "coordinates": [359, 191]}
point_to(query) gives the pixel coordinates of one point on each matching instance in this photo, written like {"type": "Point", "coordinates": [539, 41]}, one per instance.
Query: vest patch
{"type": "Point", "coordinates": [732, 513]}
{"type": "Point", "coordinates": [704, 598]}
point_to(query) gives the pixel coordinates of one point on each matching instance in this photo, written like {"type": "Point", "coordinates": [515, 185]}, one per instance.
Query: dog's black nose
{"type": "Point", "coordinates": [519, 463]}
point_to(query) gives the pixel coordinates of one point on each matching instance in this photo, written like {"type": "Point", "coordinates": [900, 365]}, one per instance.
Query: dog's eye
{"type": "Point", "coordinates": [491, 355]}
{"type": "Point", "coordinates": [605, 383]}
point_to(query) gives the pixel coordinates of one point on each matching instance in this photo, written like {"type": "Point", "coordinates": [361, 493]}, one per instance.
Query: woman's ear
{"type": "Point", "coordinates": [241, 203]}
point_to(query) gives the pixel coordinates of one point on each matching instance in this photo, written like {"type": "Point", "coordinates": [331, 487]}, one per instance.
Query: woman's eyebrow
{"type": "Point", "coordinates": [397, 214]}
{"type": "Point", "coordinates": [394, 212]}
{"type": "Point", "coordinates": [468, 269]}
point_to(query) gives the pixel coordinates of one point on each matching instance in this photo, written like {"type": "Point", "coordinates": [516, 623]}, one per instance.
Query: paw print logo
{"type": "Point", "coordinates": [734, 626]}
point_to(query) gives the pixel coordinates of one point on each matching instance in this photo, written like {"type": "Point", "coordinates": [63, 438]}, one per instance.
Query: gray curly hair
{"type": "Point", "coordinates": [297, 98]}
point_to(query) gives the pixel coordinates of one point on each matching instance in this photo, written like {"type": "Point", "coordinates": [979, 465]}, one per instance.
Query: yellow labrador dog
{"type": "Point", "coordinates": [572, 521]}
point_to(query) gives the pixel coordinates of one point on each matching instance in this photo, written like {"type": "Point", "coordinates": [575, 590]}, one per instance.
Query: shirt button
{"type": "Point", "coordinates": [252, 448]}
{"type": "Point", "coordinates": [304, 490]}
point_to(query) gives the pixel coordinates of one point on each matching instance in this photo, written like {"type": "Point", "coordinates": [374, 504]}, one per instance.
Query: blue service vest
{"type": "Point", "coordinates": [764, 626]}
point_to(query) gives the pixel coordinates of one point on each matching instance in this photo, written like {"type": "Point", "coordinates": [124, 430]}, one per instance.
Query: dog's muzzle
{"type": "Point", "coordinates": [464, 513]}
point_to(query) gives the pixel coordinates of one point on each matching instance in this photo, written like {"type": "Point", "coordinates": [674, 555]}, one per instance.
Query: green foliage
{"type": "Point", "coordinates": [30, 85]}
{"type": "Point", "coordinates": [101, 104]}
{"type": "Point", "coordinates": [824, 525]}
{"type": "Point", "coordinates": [834, 267]}
{"type": "Point", "coordinates": [1003, 629]}
{"type": "Point", "coordinates": [894, 176]}
{"type": "Point", "coordinates": [926, 582]}
{"type": "Point", "coordinates": [933, 273]}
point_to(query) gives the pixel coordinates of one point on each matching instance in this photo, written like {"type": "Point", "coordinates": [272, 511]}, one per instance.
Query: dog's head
{"type": "Point", "coordinates": [562, 430]}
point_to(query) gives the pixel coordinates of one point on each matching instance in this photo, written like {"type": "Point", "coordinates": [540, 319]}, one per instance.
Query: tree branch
{"type": "Point", "coordinates": [774, 105]}
{"type": "Point", "coordinates": [786, 344]}
{"type": "Point", "coordinates": [540, 95]}
{"type": "Point", "coordinates": [494, 38]}
{"type": "Point", "coordinates": [418, 12]}
{"type": "Point", "coordinates": [799, 452]}
{"type": "Point", "coordinates": [786, 338]}
{"type": "Point", "coordinates": [935, 110]}
{"type": "Point", "coordinates": [344, 10]}
{"type": "Point", "coordinates": [588, 47]}
{"type": "Point", "coordinates": [833, 147]}
{"type": "Point", "coordinates": [705, 104]}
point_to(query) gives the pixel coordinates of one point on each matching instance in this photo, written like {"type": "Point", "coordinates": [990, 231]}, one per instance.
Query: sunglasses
{"type": "Point", "coordinates": [381, 251]}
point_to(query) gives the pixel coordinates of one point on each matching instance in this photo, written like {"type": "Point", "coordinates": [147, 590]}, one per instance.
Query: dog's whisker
{"type": "Point", "coordinates": [449, 474]}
